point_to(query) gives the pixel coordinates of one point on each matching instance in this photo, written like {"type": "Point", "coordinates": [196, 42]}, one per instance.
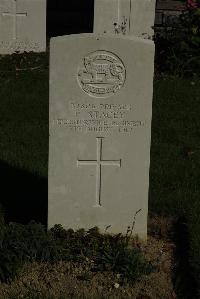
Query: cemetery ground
{"type": "Point", "coordinates": [174, 223]}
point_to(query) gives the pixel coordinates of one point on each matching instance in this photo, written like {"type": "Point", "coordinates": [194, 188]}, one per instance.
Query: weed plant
{"type": "Point", "coordinates": [29, 243]}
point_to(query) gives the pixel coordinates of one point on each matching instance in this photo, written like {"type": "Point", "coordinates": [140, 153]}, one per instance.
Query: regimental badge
{"type": "Point", "coordinates": [102, 74]}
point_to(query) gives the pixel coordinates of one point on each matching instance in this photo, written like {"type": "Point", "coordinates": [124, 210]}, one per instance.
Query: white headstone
{"type": "Point", "coordinates": [22, 26]}
{"type": "Point", "coordinates": [100, 125]}
{"type": "Point", "coordinates": [128, 17]}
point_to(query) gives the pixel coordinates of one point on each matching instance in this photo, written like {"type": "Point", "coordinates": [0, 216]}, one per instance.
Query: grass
{"type": "Point", "coordinates": [175, 151]}
{"type": "Point", "coordinates": [24, 112]}
{"type": "Point", "coordinates": [175, 158]}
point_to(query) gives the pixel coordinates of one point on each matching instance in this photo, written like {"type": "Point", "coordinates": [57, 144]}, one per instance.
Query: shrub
{"type": "Point", "coordinates": [177, 47]}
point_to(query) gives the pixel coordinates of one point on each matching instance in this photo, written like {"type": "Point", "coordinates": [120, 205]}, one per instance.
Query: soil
{"type": "Point", "coordinates": [65, 280]}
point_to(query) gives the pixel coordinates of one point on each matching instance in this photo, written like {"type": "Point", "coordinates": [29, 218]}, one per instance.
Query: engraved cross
{"type": "Point", "coordinates": [14, 15]}
{"type": "Point", "coordinates": [99, 163]}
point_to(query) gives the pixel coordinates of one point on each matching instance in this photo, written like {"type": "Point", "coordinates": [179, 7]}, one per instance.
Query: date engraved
{"type": "Point", "coordinates": [99, 118]}
{"type": "Point", "coordinates": [88, 125]}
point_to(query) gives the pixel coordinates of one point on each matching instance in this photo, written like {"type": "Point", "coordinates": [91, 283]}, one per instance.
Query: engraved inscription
{"type": "Point", "coordinates": [107, 126]}
{"type": "Point", "coordinates": [99, 118]}
{"type": "Point", "coordinates": [14, 15]}
{"type": "Point", "coordinates": [99, 163]}
{"type": "Point", "coordinates": [102, 74]}
{"type": "Point", "coordinates": [17, 46]}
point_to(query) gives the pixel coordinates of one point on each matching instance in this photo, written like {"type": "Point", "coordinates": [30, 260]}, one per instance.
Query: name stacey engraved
{"type": "Point", "coordinates": [101, 117]}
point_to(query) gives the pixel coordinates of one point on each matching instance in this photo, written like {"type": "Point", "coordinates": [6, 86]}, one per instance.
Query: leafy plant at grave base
{"type": "Point", "coordinates": [177, 47]}
{"type": "Point", "coordinates": [28, 243]}
{"type": "Point", "coordinates": [129, 263]}
{"type": "Point", "coordinates": [109, 253]}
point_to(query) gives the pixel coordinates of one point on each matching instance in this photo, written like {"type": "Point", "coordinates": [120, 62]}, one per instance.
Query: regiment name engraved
{"type": "Point", "coordinates": [102, 117]}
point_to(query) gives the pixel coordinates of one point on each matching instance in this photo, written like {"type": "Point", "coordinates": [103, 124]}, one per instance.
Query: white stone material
{"type": "Point", "coordinates": [22, 26]}
{"type": "Point", "coordinates": [100, 125]}
{"type": "Point", "coordinates": [128, 17]}
{"type": "Point", "coordinates": [143, 17]}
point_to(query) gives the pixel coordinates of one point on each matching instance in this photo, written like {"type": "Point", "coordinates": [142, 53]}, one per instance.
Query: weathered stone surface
{"type": "Point", "coordinates": [143, 17]}
{"type": "Point", "coordinates": [22, 26]}
{"type": "Point", "coordinates": [100, 126]}
{"type": "Point", "coordinates": [128, 17]}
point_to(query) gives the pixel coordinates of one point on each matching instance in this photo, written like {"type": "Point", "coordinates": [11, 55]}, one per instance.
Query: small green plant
{"type": "Point", "coordinates": [122, 258]}
{"type": "Point", "coordinates": [109, 253]}
{"type": "Point", "coordinates": [128, 262]}
{"type": "Point", "coordinates": [28, 243]}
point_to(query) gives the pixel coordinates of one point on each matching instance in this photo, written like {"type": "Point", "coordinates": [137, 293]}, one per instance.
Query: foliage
{"type": "Point", "coordinates": [120, 259]}
{"type": "Point", "coordinates": [177, 46]}
{"type": "Point", "coordinates": [28, 243]}
{"type": "Point", "coordinates": [20, 244]}
{"type": "Point", "coordinates": [109, 253]}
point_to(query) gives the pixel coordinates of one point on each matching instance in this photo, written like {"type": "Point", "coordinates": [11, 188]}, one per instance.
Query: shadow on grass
{"type": "Point", "coordinates": [185, 283]}
{"type": "Point", "coordinates": [24, 196]}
